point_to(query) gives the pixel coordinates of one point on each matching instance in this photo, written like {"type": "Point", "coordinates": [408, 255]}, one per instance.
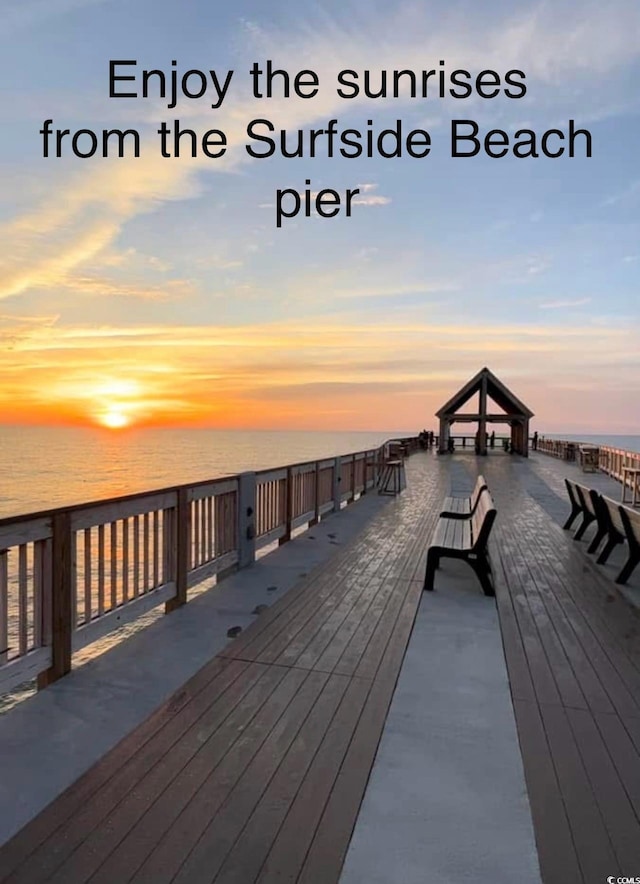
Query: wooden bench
{"type": "Point", "coordinates": [464, 507]}
{"type": "Point", "coordinates": [464, 539]}
{"type": "Point", "coordinates": [631, 524]}
{"type": "Point", "coordinates": [581, 504]}
{"type": "Point", "coordinates": [615, 522]}
{"type": "Point", "coordinates": [609, 526]}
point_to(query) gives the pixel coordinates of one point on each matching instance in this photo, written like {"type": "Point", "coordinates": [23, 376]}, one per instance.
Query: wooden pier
{"type": "Point", "coordinates": [255, 770]}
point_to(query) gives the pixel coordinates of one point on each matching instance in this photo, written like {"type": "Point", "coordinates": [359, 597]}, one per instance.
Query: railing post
{"type": "Point", "coordinates": [62, 577]}
{"type": "Point", "coordinates": [380, 461]}
{"type": "Point", "coordinates": [353, 478]}
{"type": "Point", "coordinates": [288, 516]}
{"type": "Point", "coordinates": [316, 516]}
{"type": "Point", "coordinates": [180, 535]}
{"type": "Point", "coordinates": [337, 488]}
{"type": "Point", "coordinates": [246, 519]}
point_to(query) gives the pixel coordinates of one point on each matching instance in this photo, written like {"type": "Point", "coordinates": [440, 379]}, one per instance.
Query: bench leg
{"type": "Point", "coordinates": [609, 547]}
{"type": "Point", "coordinates": [601, 533]}
{"type": "Point", "coordinates": [586, 521]}
{"type": "Point", "coordinates": [575, 512]}
{"type": "Point", "coordinates": [483, 570]}
{"type": "Point", "coordinates": [629, 566]}
{"type": "Point", "coordinates": [433, 562]}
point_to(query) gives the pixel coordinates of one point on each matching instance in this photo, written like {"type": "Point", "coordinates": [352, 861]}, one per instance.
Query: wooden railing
{"type": "Point", "coordinates": [561, 448]}
{"type": "Point", "coordinates": [613, 460]}
{"type": "Point", "coordinates": [69, 576]}
{"type": "Point", "coordinates": [610, 460]}
{"type": "Point", "coordinates": [468, 441]}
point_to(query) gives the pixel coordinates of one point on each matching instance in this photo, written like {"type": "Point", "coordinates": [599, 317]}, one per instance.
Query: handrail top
{"type": "Point", "coordinates": [102, 501]}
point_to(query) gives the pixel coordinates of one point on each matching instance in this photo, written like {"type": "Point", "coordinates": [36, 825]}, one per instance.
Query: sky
{"type": "Point", "coordinates": [153, 291]}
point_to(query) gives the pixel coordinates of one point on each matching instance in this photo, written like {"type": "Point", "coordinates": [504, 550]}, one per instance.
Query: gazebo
{"type": "Point", "coordinates": [488, 387]}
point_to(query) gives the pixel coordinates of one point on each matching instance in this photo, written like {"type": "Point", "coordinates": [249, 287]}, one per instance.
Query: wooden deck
{"type": "Point", "coordinates": [573, 656]}
{"type": "Point", "coordinates": [255, 770]}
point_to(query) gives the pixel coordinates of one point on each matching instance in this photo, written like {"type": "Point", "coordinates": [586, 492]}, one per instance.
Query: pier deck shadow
{"type": "Point", "coordinates": [256, 768]}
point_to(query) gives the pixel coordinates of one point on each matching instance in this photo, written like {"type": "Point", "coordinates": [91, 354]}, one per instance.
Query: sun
{"type": "Point", "coordinates": [114, 419]}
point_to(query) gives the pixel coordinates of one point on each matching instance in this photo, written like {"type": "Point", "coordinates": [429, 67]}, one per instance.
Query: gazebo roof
{"type": "Point", "coordinates": [501, 395]}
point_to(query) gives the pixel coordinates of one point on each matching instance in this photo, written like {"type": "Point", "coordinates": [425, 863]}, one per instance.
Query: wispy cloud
{"type": "Point", "coordinates": [103, 287]}
{"type": "Point", "coordinates": [627, 194]}
{"type": "Point", "coordinates": [371, 200]}
{"type": "Point", "coordinates": [536, 266]}
{"type": "Point", "coordinates": [564, 305]}
{"type": "Point", "coordinates": [310, 365]}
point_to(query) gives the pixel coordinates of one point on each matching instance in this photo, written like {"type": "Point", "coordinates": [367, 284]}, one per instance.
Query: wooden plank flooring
{"type": "Point", "coordinates": [573, 656]}
{"type": "Point", "coordinates": [255, 770]}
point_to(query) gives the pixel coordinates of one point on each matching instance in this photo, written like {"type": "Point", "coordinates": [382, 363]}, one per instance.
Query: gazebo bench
{"type": "Point", "coordinates": [466, 539]}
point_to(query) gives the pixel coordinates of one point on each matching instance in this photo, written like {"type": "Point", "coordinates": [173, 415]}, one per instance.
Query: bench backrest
{"type": "Point", "coordinates": [631, 522]}
{"type": "Point", "coordinates": [584, 496]}
{"type": "Point", "coordinates": [479, 489]}
{"type": "Point", "coordinates": [613, 511]}
{"type": "Point", "coordinates": [482, 521]}
{"type": "Point", "coordinates": [481, 483]}
{"type": "Point", "coordinates": [573, 494]}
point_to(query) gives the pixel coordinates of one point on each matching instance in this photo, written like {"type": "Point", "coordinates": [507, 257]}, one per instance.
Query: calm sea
{"type": "Point", "coordinates": [626, 443]}
{"type": "Point", "coordinates": [45, 467]}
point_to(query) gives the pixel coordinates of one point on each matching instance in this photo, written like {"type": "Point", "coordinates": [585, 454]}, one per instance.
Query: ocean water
{"type": "Point", "coordinates": [626, 443]}
{"type": "Point", "coordinates": [46, 467]}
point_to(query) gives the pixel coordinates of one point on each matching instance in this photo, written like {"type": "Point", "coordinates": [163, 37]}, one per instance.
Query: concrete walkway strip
{"type": "Point", "coordinates": [447, 802]}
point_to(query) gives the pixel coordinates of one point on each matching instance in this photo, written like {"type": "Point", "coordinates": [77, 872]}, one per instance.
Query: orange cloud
{"type": "Point", "coordinates": [323, 373]}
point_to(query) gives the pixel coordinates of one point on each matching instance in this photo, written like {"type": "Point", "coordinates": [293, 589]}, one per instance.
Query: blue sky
{"type": "Point", "coordinates": [162, 291]}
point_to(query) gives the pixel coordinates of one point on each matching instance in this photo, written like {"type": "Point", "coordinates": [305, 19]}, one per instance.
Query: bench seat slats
{"type": "Point", "coordinates": [452, 533]}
